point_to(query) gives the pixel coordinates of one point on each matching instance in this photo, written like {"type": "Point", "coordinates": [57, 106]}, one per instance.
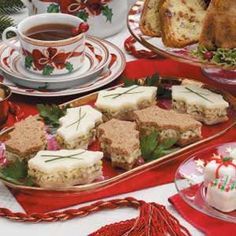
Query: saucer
{"type": "Point", "coordinates": [96, 59]}
{"type": "Point", "coordinates": [114, 68]}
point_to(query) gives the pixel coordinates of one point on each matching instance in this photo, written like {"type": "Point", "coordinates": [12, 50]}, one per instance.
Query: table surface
{"type": "Point", "coordinates": [84, 226]}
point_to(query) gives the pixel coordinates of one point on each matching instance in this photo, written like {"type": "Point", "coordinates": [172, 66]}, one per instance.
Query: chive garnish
{"type": "Point", "coordinates": [198, 94]}
{"type": "Point", "coordinates": [77, 121]}
{"type": "Point", "coordinates": [116, 95]}
{"type": "Point", "coordinates": [58, 157]}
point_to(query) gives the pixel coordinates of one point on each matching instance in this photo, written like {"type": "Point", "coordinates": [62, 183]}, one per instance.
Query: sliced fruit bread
{"type": "Point", "coordinates": [181, 21]}
{"type": "Point", "coordinates": [150, 21]}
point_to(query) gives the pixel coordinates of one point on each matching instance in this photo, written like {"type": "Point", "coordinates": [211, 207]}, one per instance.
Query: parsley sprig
{"type": "Point", "coordinates": [152, 149]}
{"type": "Point", "coordinates": [51, 114]}
{"type": "Point", "coordinates": [16, 173]}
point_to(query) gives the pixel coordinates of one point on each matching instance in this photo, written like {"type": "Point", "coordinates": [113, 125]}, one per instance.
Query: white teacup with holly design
{"type": "Point", "coordinates": [50, 57]}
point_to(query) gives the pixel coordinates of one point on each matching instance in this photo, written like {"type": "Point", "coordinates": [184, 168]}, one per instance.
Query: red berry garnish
{"type": "Point", "coordinates": [140, 161]}
{"type": "Point", "coordinates": [208, 55]}
{"type": "Point", "coordinates": [83, 27]}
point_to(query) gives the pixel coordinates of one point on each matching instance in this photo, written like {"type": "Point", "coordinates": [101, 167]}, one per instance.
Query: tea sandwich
{"type": "Point", "coordinates": [27, 138]}
{"type": "Point", "coordinates": [65, 168]}
{"type": "Point", "coordinates": [78, 127]}
{"type": "Point", "coordinates": [119, 141]}
{"type": "Point", "coordinates": [121, 102]}
{"type": "Point", "coordinates": [202, 104]}
{"type": "Point", "coordinates": [169, 124]}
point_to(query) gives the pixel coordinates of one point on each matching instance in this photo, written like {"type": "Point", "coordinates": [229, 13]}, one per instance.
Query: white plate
{"type": "Point", "coordinates": [114, 70]}
{"type": "Point", "coordinates": [96, 59]}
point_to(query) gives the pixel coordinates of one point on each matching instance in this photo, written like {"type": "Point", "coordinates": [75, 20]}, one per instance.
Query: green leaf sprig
{"type": "Point", "coordinates": [107, 12]}
{"type": "Point", "coordinates": [151, 149]}
{"type": "Point", "coordinates": [16, 173]}
{"type": "Point", "coordinates": [51, 114]}
{"type": "Point", "coordinates": [154, 80]}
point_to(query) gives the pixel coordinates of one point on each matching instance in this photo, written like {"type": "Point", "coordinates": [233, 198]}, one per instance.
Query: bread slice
{"type": "Point", "coordinates": [219, 29]}
{"type": "Point", "coordinates": [181, 22]}
{"type": "Point", "coordinates": [150, 21]}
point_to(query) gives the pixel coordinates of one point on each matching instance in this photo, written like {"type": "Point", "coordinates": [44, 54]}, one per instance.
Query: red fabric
{"type": "Point", "coordinates": [44, 202]}
{"type": "Point", "coordinates": [209, 225]}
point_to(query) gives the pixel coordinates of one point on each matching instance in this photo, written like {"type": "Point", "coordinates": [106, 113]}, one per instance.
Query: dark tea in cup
{"type": "Point", "coordinates": [50, 32]}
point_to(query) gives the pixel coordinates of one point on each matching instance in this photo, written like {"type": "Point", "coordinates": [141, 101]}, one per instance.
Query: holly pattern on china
{"type": "Point", "coordinates": [82, 8]}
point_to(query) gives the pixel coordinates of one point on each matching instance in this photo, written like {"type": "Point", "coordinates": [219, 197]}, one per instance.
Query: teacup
{"type": "Point", "coordinates": [5, 93]}
{"type": "Point", "coordinates": [53, 56]}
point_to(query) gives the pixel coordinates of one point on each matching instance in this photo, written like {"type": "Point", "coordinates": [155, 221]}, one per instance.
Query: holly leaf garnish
{"type": "Point", "coordinates": [51, 114]}
{"type": "Point", "coordinates": [69, 67]}
{"type": "Point", "coordinates": [107, 12]}
{"type": "Point", "coordinates": [53, 8]}
{"type": "Point", "coordinates": [17, 173]}
{"type": "Point", "coordinates": [83, 15]}
{"type": "Point", "coordinates": [47, 70]}
{"type": "Point", "coordinates": [28, 61]}
{"type": "Point", "coordinates": [151, 149]}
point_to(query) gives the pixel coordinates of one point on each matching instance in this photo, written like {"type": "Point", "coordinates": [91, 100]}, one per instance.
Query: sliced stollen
{"type": "Point", "coordinates": [121, 102]}
{"type": "Point", "coordinates": [181, 22]}
{"type": "Point", "coordinates": [65, 168]}
{"type": "Point", "coordinates": [169, 124]}
{"type": "Point", "coordinates": [27, 138]}
{"type": "Point", "coordinates": [78, 127]}
{"type": "Point", "coordinates": [150, 20]}
{"type": "Point", "coordinates": [120, 142]}
{"type": "Point", "coordinates": [202, 104]}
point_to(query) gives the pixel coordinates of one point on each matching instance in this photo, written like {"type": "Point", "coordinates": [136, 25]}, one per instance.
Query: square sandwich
{"type": "Point", "coordinates": [65, 168]}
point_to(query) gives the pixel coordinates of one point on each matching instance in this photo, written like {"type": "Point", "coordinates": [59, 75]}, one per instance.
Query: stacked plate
{"type": "Point", "coordinates": [104, 62]}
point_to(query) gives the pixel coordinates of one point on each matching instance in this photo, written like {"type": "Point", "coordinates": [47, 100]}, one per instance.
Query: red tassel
{"type": "Point", "coordinates": [154, 220]}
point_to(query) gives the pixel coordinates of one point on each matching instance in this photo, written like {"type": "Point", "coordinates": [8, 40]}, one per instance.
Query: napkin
{"type": "Point", "coordinates": [208, 225]}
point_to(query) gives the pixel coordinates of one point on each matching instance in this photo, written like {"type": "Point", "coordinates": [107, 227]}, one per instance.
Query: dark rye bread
{"type": "Point", "coordinates": [150, 21]}
{"type": "Point", "coordinates": [219, 28]}
{"type": "Point", "coordinates": [181, 22]}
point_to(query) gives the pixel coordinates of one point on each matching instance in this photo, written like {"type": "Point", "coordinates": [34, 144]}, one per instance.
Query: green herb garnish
{"type": "Point", "coordinates": [116, 95]}
{"type": "Point", "coordinates": [79, 120]}
{"type": "Point", "coordinates": [151, 149]}
{"type": "Point", "coordinates": [58, 157]}
{"type": "Point", "coordinates": [221, 56]}
{"type": "Point", "coordinates": [16, 173]}
{"type": "Point", "coordinates": [51, 114]}
{"type": "Point", "coordinates": [199, 94]}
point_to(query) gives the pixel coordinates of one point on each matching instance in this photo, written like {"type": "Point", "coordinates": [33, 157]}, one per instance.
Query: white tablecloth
{"type": "Point", "coordinates": [84, 226]}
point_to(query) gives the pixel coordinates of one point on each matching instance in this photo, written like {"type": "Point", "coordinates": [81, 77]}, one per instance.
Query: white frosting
{"type": "Point", "coordinates": [78, 122]}
{"type": "Point", "coordinates": [232, 153]}
{"type": "Point", "coordinates": [131, 99]}
{"type": "Point", "coordinates": [211, 168]}
{"type": "Point", "coordinates": [81, 159]}
{"type": "Point", "coordinates": [211, 100]}
{"type": "Point", "coordinates": [222, 198]}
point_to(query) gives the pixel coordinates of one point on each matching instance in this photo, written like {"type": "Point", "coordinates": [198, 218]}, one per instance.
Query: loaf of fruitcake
{"type": "Point", "coordinates": [150, 20]}
{"type": "Point", "coordinates": [181, 22]}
